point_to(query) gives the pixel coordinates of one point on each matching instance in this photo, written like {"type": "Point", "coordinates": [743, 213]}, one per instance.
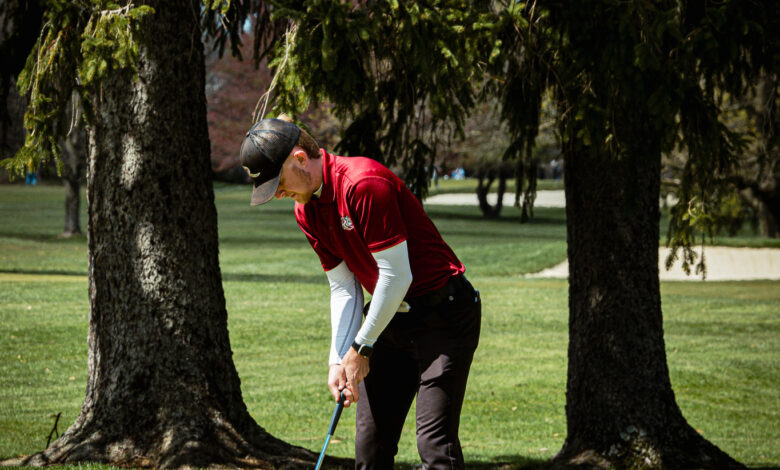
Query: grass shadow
{"type": "Point", "coordinates": [43, 272]}
{"type": "Point", "coordinates": [542, 215]}
{"type": "Point", "coordinates": [260, 241]}
{"type": "Point", "coordinates": [499, 462]}
{"type": "Point", "coordinates": [230, 277]}
{"type": "Point", "coordinates": [278, 278]}
{"type": "Point", "coordinates": [44, 237]}
{"type": "Point", "coordinates": [506, 237]}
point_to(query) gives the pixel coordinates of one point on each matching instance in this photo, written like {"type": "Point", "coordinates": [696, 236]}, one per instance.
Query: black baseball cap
{"type": "Point", "coordinates": [265, 148]}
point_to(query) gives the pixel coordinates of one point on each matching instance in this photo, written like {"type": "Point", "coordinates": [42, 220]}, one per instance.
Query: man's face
{"type": "Point", "coordinates": [296, 181]}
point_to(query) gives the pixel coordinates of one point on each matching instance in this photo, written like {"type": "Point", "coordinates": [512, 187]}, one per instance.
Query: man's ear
{"type": "Point", "coordinates": [300, 156]}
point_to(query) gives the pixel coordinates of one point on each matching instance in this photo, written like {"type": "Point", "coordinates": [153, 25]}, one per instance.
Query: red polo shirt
{"type": "Point", "coordinates": [363, 208]}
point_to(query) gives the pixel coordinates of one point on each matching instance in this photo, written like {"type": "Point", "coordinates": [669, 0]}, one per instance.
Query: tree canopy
{"type": "Point", "coordinates": [407, 74]}
{"type": "Point", "coordinates": [79, 44]}
{"type": "Point", "coordinates": [666, 63]}
{"type": "Point", "coordinates": [404, 73]}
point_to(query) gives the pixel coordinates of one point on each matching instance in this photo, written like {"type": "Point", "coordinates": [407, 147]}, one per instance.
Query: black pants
{"type": "Point", "coordinates": [426, 351]}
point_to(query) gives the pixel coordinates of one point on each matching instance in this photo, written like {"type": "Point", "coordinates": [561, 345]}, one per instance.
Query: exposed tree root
{"type": "Point", "coordinates": [221, 447]}
{"type": "Point", "coordinates": [639, 452]}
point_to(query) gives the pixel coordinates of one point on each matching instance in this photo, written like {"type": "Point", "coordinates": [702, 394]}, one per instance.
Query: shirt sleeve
{"type": "Point", "coordinates": [395, 277]}
{"type": "Point", "coordinates": [346, 310]}
{"type": "Point", "coordinates": [378, 213]}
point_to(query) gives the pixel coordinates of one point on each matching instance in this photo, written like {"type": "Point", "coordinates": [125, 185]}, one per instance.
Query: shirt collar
{"type": "Point", "coordinates": [326, 191]}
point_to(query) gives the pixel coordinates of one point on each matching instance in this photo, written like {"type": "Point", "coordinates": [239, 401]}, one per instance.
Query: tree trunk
{"type": "Point", "coordinates": [70, 178]}
{"type": "Point", "coordinates": [526, 170]}
{"type": "Point", "coordinates": [620, 407]}
{"type": "Point", "coordinates": [73, 158]}
{"type": "Point", "coordinates": [489, 173]}
{"type": "Point", "coordinates": [760, 184]}
{"type": "Point", "coordinates": [162, 388]}
{"type": "Point", "coordinates": [769, 219]}
{"type": "Point", "coordinates": [767, 207]}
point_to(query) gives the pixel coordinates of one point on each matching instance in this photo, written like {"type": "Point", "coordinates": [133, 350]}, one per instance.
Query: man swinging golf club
{"type": "Point", "coordinates": [369, 230]}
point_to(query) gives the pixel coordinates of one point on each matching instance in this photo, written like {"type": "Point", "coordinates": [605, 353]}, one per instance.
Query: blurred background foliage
{"type": "Point", "coordinates": [429, 88]}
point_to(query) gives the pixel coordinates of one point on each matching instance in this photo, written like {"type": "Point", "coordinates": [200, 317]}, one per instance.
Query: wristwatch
{"type": "Point", "coordinates": [363, 349]}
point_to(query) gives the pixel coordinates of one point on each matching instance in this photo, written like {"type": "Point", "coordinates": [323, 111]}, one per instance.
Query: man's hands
{"type": "Point", "coordinates": [347, 376]}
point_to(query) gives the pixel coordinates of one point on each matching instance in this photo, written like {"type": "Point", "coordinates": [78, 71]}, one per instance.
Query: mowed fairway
{"type": "Point", "coordinates": [722, 338]}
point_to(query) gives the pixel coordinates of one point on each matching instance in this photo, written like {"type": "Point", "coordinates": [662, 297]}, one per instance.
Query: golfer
{"type": "Point", "coordinates": [422, 325]}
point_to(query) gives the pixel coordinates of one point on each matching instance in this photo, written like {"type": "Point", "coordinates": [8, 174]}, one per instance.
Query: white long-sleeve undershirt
{"type": "Point", "coordinates": [346, 310]}
{"type": "Point", "coordinates": [346, 300]}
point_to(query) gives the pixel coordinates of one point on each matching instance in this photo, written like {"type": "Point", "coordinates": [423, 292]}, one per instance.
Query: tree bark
{"type": "Point", "coordinates": [162, 389]}
{"type": "Point", "coordinates": [620, 407]}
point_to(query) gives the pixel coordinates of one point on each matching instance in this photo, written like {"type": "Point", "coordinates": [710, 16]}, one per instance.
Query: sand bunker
{"type": "Point", "coordinates": [723, 264]}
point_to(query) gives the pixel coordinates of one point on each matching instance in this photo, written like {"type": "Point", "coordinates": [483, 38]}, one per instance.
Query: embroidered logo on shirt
{"type": "Point", "coordinates": [346, 223]}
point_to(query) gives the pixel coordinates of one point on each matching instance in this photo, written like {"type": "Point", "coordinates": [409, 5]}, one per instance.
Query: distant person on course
{"type": "Point", "coordinates": [422, 325]}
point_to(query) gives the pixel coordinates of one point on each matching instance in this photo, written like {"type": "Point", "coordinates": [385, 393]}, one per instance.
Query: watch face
{"type": "Point", "coordinates": [365, 350]}
{"type": "Point", "coordinates": [362, 349]}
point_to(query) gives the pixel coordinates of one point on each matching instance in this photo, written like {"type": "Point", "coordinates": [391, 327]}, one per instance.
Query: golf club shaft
{"type": "Point", "coordinates": [334, 420]}
{"type": "Point", "coordinates": [322, 453]}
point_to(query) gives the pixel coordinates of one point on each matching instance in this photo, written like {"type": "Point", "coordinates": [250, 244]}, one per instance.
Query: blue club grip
{"type": "Point", "coordinates": [334, 420]}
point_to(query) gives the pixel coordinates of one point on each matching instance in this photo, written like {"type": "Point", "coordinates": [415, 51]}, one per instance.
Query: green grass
{"type": "Point", "coordinates": [722, 338]}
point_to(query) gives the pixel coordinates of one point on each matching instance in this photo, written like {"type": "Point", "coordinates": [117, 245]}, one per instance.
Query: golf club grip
{"type": "Point", "coordinates": [336, 414]}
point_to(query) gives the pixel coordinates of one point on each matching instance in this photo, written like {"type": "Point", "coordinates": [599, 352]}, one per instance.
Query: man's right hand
{"type": "Point", "coordinates": [337, 383]}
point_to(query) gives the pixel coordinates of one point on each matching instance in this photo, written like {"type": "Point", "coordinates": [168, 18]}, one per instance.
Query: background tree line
{"type": "Point", "coordinates": [483, 148]}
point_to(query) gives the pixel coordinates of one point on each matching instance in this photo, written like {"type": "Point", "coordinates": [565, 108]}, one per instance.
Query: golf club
{"type": "Point", "coordinates": [334, 420]}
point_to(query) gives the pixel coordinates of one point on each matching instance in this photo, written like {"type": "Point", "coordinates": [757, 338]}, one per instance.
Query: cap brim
{"type": "Point", "coordinates": [264, 192]}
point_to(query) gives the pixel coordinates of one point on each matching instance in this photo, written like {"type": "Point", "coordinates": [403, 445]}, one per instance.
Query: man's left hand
{"type": "Point", "coordinates": [356, 368]}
